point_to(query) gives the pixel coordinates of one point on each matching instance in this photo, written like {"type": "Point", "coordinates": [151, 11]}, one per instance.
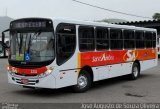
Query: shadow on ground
{"type": "Point", "coordinates": [41, 92]}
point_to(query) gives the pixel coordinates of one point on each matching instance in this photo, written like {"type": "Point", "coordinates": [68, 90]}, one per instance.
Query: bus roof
{"type": "Point", "coordinates": [56, 21]}
{"type": "Point", "coordinates": [103, 24]}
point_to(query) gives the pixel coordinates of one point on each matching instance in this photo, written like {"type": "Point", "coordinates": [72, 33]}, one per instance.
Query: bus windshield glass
{"type": "Point", "coordinates": [32, 46]}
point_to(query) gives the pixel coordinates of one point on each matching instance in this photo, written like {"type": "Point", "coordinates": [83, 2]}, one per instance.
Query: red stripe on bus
{"type": "Point", "coordinates": [34, 71]}
{"type": "Point", "coordinates": [115, 56]}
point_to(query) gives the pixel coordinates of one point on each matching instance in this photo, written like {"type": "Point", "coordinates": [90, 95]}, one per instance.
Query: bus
{"type": "Point", "coordinates": [56, 53]}
{"type": "Point", "coordinates": [2, 50]}
{"type": "Point", "coordinates": [158, 45]}
{"type": "Point", "coordinates": [4, 44]}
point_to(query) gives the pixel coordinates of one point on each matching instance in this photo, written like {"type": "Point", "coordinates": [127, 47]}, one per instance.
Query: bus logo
{"type": "Point", "coordinates": [130, 55]}
{"type": "Point", "coordinates": [104, 57]}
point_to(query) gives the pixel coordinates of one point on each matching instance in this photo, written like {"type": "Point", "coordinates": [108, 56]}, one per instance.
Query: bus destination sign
{"type": "Point", "coordinates": [29, 24]}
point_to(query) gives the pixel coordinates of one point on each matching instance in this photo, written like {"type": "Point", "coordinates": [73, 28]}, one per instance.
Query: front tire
{"type": "Point", "coordinates": [83, 82]}
{"type": "Point", "coordinates": [135, 71]}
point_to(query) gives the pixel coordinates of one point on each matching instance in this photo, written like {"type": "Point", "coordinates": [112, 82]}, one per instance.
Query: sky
{"type": "Point", "coordinates": [73, 10]}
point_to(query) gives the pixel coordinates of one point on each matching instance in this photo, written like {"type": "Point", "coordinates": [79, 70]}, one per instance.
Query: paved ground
{"type": "Point", "coordinates": [144, 90]}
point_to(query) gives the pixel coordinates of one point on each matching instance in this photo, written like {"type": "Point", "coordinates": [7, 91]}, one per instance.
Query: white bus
{"type": "Point", "coordinates": [4, 43]}
{"type": "Point", "coordinates": [58, 53]}
{"type": "Point", "coordinates": [2, 50]}
{"type": "Point", "coordinates": [158, 45]}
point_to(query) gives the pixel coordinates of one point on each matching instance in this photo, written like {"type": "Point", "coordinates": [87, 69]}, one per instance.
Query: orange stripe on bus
{"type": "Point", "coordinates": [79, 63]}
{"type": "Point", "coordinates": [116, 56]}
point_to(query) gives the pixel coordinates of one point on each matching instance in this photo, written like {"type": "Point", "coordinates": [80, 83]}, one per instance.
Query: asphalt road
{"type": "Point", "coordinates": [144, 90]}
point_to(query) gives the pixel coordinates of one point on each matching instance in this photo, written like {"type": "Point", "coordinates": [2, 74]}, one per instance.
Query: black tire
{"type": "Point", "coordinates": [83, 82]}
{"type": "Point", "coordinates": [135, 72]}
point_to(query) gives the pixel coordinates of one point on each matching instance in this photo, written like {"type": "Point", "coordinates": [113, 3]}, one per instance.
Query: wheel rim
{"type": "Point", "coordinates": [82, 81]}
{"type": "Point", "coordinates": [135, 71]}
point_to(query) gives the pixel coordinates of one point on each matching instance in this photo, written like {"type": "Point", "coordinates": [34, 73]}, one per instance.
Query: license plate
{"type": "Point", "coordinates": [24, 80]}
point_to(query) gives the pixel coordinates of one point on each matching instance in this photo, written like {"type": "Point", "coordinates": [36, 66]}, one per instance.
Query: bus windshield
{"type": "Point", "coordinates": [32, 46]}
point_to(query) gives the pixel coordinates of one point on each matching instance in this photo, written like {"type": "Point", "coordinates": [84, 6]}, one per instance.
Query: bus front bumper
{"type": "Point", "coordinates": [32, 81]}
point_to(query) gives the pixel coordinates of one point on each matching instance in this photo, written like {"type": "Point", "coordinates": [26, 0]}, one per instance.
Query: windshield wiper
{"type": "Point", "coordinates": [20, 44]}
{"type": "Point", "coordinates": [36, 34]}
{"type": "Point", "coordinates": [29, 44]}
{"type": "Point", "coordinates": [30, 39]}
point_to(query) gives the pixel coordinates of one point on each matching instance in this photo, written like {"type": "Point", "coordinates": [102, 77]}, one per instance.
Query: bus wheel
{"type": "Point", "coordinates": [83, 82]}
{"type": "Point", "coordinates": [135, 72]}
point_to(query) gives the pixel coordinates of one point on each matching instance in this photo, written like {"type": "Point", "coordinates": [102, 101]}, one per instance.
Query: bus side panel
{"type": "Point", "coordinates": [110, 64]}
{"type": "Point", "coordinates": [66, 78]}
{"type": "Point", "coordinates": [95, 73]}
{"type": "Point", "coordinates": [67, 73]}
{"type": "Point", "coordinates": [120, 69]}
{"type": "Point", "coordinates": [110, 71]}
{"type": "Point", "coordinates": [148, 64]}
{"type": "Point", "coordinates": [103, 72]}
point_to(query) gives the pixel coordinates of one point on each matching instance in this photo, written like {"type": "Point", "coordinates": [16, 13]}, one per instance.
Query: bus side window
{"type": "Point", "coordinates": [102, 39]}
{"type": "Point", "coordinates": [154, 40]}
{"type": "Point", "coordinates": [116, 39]}
{"type": "Point", "coordinates": [139, 36]}
{"type": "Point", "coordinates": [148, 39]}
{"type": "Point", "coordinates": [129, 41]}
{"type": "Point", "coordinates": [86, 38]}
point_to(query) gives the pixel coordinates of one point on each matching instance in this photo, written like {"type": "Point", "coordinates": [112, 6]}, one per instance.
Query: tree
{"type": "Point", "coordinates": [112, 20]}
{"type": "Point", "coordinates": [156, 16]}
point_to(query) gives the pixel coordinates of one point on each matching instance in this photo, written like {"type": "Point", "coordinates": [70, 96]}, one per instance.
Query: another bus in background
{"type": "Point", "coordinates": [158, 45]}
{"type": "Point", "coordinates": [4, 46]}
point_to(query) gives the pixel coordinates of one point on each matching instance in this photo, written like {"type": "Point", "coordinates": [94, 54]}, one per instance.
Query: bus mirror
{"type": "Point", "coordinates": [5, 44]}
{"type": "Point", "coordinates": [3, 36]}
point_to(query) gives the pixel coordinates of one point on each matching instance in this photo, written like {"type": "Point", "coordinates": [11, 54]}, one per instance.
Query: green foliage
{"type": "Point", "coordinates": [112, 20]}
{"type": "Point", "coordinates": [156, 16]}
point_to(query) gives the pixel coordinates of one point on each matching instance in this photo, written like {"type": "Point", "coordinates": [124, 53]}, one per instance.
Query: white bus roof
{"type": "Point", "coordinates": [91, 23]}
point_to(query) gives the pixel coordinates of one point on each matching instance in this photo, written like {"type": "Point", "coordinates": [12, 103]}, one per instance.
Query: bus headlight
{"type": "Point", "coordinates": [48, 72]}
{"type": "Point", "coordinates": [10, 70]}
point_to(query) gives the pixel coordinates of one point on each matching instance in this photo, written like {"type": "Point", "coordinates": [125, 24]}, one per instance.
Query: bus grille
{"type": "Point", "coordinates": [31, 81]}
